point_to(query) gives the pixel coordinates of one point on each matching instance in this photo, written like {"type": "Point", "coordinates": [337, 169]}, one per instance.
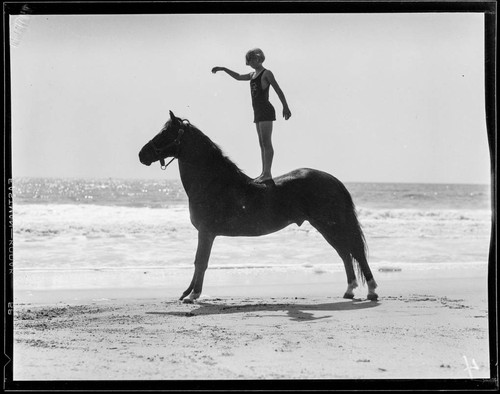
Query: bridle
{"type": "Point", "coordinates": [176, 143]}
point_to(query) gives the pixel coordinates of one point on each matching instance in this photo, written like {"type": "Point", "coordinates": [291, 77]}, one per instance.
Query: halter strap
{"type": "Point", "coordinates": [162, 163]}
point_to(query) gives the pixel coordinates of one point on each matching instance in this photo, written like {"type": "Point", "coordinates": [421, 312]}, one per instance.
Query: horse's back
{"type": "Point", "coordinates": [312, 190]}
{"type": "Point", "coordinates": [303, 174]}
{"type": "Point", "coordinates": [309, 180]}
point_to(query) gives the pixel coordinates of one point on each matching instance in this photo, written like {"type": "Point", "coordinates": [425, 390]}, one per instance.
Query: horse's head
{"type": "Point", "coordinates": [165, 143]}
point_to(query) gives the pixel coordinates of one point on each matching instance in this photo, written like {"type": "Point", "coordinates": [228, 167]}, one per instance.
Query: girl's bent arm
{"type": "Point", "coordinates": [235, 75]}
{"type": "Point", "coordinates": [272, 81]}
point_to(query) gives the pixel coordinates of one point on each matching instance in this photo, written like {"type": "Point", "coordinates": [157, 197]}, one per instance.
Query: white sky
{"type": "Point", "coordinates": [374, 97]}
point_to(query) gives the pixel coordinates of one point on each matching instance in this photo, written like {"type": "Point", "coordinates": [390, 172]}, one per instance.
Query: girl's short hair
{"type": "Point", "coordinates": [255, 53]}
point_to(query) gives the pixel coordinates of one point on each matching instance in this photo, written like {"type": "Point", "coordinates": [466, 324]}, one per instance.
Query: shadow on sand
{"type": "Point", "coordinates": [296, 312]}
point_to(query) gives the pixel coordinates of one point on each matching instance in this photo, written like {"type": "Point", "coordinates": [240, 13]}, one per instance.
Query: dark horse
{"type": "Point", "coordinates": [225, 201]}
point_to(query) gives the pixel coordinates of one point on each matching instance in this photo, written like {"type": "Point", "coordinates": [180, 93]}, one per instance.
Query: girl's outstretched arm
{"type": "Point", "coordinates": [272, 81]}
{"type": "Point", "coordinates": [235, 75]}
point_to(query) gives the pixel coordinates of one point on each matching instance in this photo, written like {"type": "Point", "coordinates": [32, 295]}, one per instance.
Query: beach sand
{"type": "Point", "coordinates": [426, 325]}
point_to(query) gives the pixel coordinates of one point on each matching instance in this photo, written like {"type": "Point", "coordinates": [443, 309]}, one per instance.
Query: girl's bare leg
{"type": "Point", "coordinates": [264, 131]}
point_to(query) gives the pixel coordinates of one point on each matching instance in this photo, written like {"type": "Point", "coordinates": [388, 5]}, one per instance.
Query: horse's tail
{"type": "Point", "coordinates": [359, 251]}
{"type": "Point", "coordinates": [358, 248]}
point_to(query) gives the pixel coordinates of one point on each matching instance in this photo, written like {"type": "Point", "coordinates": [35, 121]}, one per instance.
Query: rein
{"type": "Point", "coordinates": [176, 143]}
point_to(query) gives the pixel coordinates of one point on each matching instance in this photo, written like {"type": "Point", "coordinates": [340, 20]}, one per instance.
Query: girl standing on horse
{"type": "Point", "coordinates": [264, 113]}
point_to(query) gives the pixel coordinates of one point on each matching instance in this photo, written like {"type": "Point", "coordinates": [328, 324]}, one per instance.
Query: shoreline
{"type": "Point", "coordinates": [48, 286]}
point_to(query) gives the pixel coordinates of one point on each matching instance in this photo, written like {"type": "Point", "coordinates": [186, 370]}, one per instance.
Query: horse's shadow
{"type": "Point", "coordinates": [296, 312]}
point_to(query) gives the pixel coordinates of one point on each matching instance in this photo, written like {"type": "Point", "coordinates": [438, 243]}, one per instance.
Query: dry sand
{"type": "Point", "coordinates": [432, 327]}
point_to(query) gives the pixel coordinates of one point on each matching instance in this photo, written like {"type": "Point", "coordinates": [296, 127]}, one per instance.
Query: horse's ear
{"type": "Point", "coordinates": [172, 116]}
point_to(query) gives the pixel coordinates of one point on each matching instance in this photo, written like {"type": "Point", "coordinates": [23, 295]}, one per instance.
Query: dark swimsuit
{"type": "Point", "coordinates": [262, 108]}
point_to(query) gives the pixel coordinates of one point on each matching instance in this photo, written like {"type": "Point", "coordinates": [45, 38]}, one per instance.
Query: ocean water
{"type": "Point", "coordinates": [115, 225]}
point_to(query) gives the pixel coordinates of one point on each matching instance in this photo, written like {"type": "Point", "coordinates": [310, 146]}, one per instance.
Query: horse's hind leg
{"type": "Point", "coordinates": [352, 283]}
{"type": "Point", "coordinates": [372, 285]}
{"type": "Point", "coordinates": [370, 281]}
{"type": "Point", "coordinates": [357, 253]}
{"type": "Point", "coordinates": [328, 233]}
{"type": "Point", "coordinates": [205, 242]}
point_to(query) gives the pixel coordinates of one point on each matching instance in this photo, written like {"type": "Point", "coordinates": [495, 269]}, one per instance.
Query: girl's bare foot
{"type": "Point", "coordinates": [263, 178]}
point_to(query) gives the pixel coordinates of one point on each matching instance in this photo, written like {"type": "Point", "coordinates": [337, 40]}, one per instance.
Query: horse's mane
{"type": "Point", "coordinates": [219, 158]}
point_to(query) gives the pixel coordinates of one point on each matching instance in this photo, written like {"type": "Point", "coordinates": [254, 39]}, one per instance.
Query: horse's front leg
{"type": "Point", "coordinates": [205, 242]}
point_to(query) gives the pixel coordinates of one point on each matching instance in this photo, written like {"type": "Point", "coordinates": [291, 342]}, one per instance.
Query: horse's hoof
{"type": "Point", "coordinates": [349, 296]}
{"type": "Point", "coordinates": [188, 301]}
{"type": "Point", "coordinates": [372, 297]}
{"type": "Point", "coordinates": [194, 296]}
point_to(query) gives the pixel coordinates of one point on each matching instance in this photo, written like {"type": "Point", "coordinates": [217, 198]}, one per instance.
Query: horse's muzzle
{"type": "Point", "coordinates": [143, 158]}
